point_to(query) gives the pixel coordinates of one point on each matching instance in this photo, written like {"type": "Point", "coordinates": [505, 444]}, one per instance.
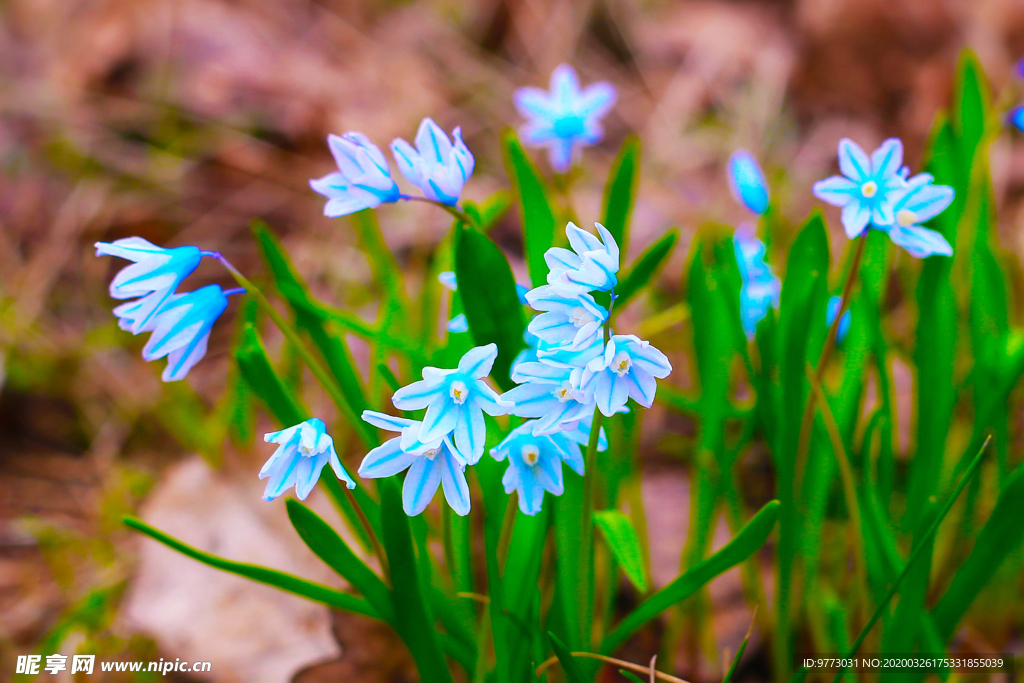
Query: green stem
{"type": "Point", "coordinates": [804, 443]}
{"type": "Point", "coordinates": [329, 385]}
{"type": "Point", "coordinates": [585, 575]}
{"type": "Point", "coordinates": [921, 546]}
{"type": "Point", "coordinates": [322, 376]}
{"type": "Point", "coordinates": [455, 211]}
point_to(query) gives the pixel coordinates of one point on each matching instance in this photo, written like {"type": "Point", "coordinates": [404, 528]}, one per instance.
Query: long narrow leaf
{"type": "Point", "coordinates": [742, 546]}
{"type": "Point", "coordinates": [271, 577]}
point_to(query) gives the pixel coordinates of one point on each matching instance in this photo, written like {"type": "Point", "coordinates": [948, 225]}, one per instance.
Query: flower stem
{"type": "Point", "coordinates": [322, 376]}
{"type": "Point", "coordinates": [325, 380]}
{"type": "Point", "coordinates": [585, 575]}
{"type": "Point", "coordinates": [807, 421]}
{"type": "Point", "coordinates": [455, 211]}
{"type": "Point", "coordinates": [382, 557]}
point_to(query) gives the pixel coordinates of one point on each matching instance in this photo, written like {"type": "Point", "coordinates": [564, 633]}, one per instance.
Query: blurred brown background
{"type": "Point", "coordinates": [181, 120]}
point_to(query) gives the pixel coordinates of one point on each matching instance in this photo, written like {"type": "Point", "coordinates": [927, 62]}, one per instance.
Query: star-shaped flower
{"type": "Point", "coordinates": [455, 401]}
{"type": "Point", "coordinates": [868, 188]}
{"type": "Point", "coordinates": [430, 464]}
{"type": "Point", "coordinates": [301, 454]}
{"type": "Point", "coordinates": [566, 118]}
{"type": "Point", "coordinates": [918, 202]}
{"type": "Point", "coordinates": [534, 466]}
{"type": "Point", "coordinates": [628, 369]}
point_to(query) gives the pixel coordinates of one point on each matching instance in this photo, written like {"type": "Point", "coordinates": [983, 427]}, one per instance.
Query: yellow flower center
{"type": "Point", "coordinates": [564, 392]}
{"type": "Point", "coordinates": [531, 454]}
{"type": "Point", "coordinates": [905, 218]}
{"type": "Point", "coordinates": [458, 392]}
{"type": "Point", "coordinates": [621, 364]}
{"type": "Point", "coordinates": [869, 189]}
{"type": "Point", "coordinates": [432, 453]}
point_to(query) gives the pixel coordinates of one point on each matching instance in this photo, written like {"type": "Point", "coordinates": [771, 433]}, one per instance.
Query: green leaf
{"type": "Point", "coordinates": [412, 618]}
{"type": "Point", "coordinates": [971, 105]}
{"type": "Point", "coordinates": [739, 653]}
{"type": "Point", "coordinates": [630, 676]}
{"type": "Point", "coordinates": [800, 333]}
{"type": "Point", "coordinates": [621, 537]}
{"type": "Point", "coordinates": [645, 267]}
{"type": "Point", "coordinates": [536, 213]}
{"type": "Point", "coordinates": [271, 577]}
{"type": "Point", "coordinates": [570, 665]}
{"type": "Point", "coordinates": [750, 538]}
{"type": "Point", "coordinates": [999, 538]}
{"type": "Point", "coordinates": [311, 318]}
{"type": "Point", "coordinates": [937, 331]}
{"type": "Point", "coordinates": [490, 300]}
{"type": "Point", "coordinates": [332, 549]}
{"type": "Point", "coordinates": [620, 191]}
{"type": "Point", "coordinates": [490, 211]}
{"type": "Point", "coordinates": [260, 375]}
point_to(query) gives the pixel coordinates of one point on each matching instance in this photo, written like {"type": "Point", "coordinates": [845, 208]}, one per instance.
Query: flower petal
{"type": "Point", "coordinates": [837, 190]}
{"type": "Point", "coordinates": [853, 162]}
{"type": "Point", "coordinates": [386, 460]}
{"type": "Point", "coordinates": [456, 490]}
{"type": "Point", "coordinates": [421, 484]}
{"type": "Point", "coordinates": [887, 159]}
{"type": "Point", "coordinates": [856, 216]}
{"type": "Point", "coordinates": [477, 362]}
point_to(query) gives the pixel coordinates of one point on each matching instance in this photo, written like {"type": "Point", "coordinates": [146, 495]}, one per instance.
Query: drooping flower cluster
{"type": "Point", "coordinates": [438, 165]}
{"type": "Point", "coordinates": [180, 323]}
{"type": "Point", "coordinates": [565, 119]}
{"type": "Point", "coordinates": [877, 192]}
{"type": "Point", "coordinates": [450, 437]}
{"type": "Point", "coordinates": [302, 452]}
{"type": "Point", "coordinates": [760, 287]}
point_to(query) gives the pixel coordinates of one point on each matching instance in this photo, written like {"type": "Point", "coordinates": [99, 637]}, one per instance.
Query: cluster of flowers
{"type": "Point", "coordinates": [439, 166]}
{"type": "Point", "coordinates": [875, 192]}
{"type": "Point", "coordinates": [879, 193]}
{"type": "Point", "coordinates": [579, 367]}
{"type": "Point", "coordinates": [180, 323]}
{"type": "Point", "coordinates": [563, 120]}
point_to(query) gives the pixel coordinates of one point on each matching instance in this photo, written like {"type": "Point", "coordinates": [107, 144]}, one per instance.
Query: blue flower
{"type": "Point", "coordinates": [301, 454]}
{"type": "Point", "coordinates": [458, 324]}
{"type": "Point", "coordinates": [455, 401]}
{"type": "Point", "coordinates": [918, 202]}
{"type": "Point", "coordinates": [573, 441]}
{"type": "Point", "coordinates": [830, 315]}
{"type": "Point", "coordinates": [534, 465]}
{"type": "Point", "coordinates": [363, 179]}
{"type": "Point", "coordinates": [155, 275]}
{"type": "Point", "coordinates": [436, 166]}
{"type": "Point", "coordinates": [550, 392]}
{"type": "Point", "coordinates": [182, 329]}
{"type": "Point", "coordinates": [572, 318]}
{"type": "Point", "coordinates": [760, 288]}
{"type": "Point", "coordinates": [869, 188]}
{"type": "Point", "coordinates": [592, 264]}
{"type": "Point", "coordinates": [447, 278]}
{"type": "Point", "coordinates": [1016, 117]}
{"type": "Point", "coordinates": [429, 464]}
{"type": "Point", "coordinates": [566, 118]}
{"type": "Point", "coordinates": [747, 182]}
{"type": "Point", "coordinates": [627, 370]}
